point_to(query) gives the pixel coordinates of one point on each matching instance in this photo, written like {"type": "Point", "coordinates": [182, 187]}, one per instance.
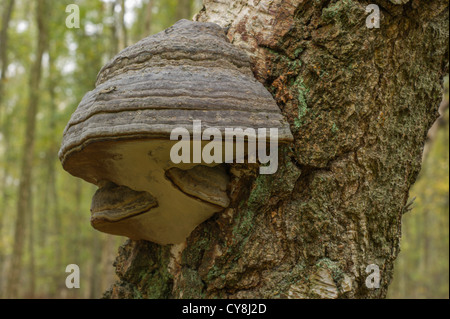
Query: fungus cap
{"type": "Point", "coordinates": [119, 134]}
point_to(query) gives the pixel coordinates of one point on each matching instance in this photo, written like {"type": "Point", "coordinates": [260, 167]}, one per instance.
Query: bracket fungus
{"type": "Point", "coordinates": [118, 137]}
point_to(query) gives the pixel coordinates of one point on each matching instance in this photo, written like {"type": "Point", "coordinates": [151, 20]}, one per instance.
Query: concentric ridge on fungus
{"type": "Point", "coordinates": [187, 72]}
{"type": "Point", "coordinates": [118, 137]}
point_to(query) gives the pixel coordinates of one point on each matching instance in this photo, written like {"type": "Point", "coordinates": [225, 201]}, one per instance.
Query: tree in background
{"type": "Point", "coordinates": [24, 201]}
{"type": "Point", "coordinates": [5, 129]}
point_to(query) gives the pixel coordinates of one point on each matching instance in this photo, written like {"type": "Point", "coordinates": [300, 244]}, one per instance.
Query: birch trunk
{"type": "Point", "coordinates": [360, 102]}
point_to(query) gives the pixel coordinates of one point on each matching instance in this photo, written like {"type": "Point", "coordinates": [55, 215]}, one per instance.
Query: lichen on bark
{"type": "Point", "coordinates": [360, 102]}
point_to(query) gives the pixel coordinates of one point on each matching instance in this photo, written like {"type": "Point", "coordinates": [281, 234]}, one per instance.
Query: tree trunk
{"type": "Point", "coordinates": [24, 193]}
{"type": "Point", "coordinates": [4, 126]}
{"type": "Point", "coordinates": [148, 18]}
{"type": "Point", "coordinates": [107, 260]}
{"type": "Point", "coordinates": [360, 102]}
{"type": "Point", "coordinates": [183, 10]}
{"type": "Point", "coordinates": [6, 18]}
{"type": "Point", "coordinates": [123, 27]}
{"type": "Point", "coordinates": [31, 289]}
{"type": "Point", "coordinates": [57, 231]}
{"type": "Point", "coordinates": [51, 154]}
{"type": "Point", "coordinates": [95, 281]}
{"type": "Point", "coordinates": [6, 194]}
{"type": "Point", "coordinates": [114, 44]}
{"type": "Point", "coordinates": [75, 241]}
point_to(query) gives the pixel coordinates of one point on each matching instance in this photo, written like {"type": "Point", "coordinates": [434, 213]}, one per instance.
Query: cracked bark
{"type": "Point", "coordinates": [360, 102]}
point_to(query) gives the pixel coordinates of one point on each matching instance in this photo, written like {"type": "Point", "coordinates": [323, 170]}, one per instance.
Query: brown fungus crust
{"type": "Point", "coordinates": [120, 131]}
{"type": "Point", "coordinates": [187, 72]}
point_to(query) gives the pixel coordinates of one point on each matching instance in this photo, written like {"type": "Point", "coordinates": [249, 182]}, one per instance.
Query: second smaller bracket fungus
{"type": "Point", "coordinates": [119, 136]}
{"type": "Point", "coordinates": [206, 183]}
{"type": "Point", "coordinates": [114, 204]}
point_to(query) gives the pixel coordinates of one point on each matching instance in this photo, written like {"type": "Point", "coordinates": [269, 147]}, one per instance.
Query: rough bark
{"type": "Point", "coordinates": [360, 102]}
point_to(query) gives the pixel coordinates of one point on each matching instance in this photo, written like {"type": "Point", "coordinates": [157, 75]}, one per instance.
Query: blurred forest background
{"type": "Point", "coordinates": [45, 69]}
